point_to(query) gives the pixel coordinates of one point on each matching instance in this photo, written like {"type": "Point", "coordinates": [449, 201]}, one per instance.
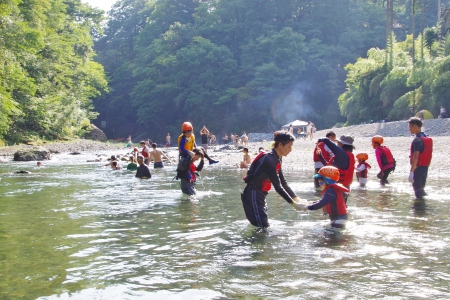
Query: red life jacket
{"type": "Point", "coordinates": [338, 207]}
{"type": "Point", "coordinates": [426, 154]}
{"type": "Point", "coordinates": [325, 153]}
{"type": "Point", "coordinates": [266, 184]}
{"type": "Point", "coordinates": [144, 153]}
{"type": "Point", "coordinates": [346, 176]}
{"type": "Point", "coordinates": [363, 173]}
{"type": "Point", "coordinates": [388, 155]}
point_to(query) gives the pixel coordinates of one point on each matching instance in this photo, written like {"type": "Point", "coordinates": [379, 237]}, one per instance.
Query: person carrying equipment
{"type": "Point", "coordinates": [265, 171]}
{"type": "Point", "coordinates": [186, 143]}
{"type": "Point", "coordinates": [187, 172]}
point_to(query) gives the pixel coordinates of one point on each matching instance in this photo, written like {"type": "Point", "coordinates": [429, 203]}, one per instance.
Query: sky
{"type": "Point", "coordinates": [102, 4]}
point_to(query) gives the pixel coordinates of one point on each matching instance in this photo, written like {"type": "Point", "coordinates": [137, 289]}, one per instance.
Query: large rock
{"type": "Point", "coordinates": [96, 134]}
{"type": "Point", "coordinates": [36, 153]}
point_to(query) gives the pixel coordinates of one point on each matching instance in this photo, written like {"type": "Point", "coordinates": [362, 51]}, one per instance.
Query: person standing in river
{"type": "Point", "coordinates": [186, 143]}
{"type": "Point", "coordinates": [143, 170]}
{"type": "Point", "coordinates": [204, 133]}
{"type": "Point", "coordinates": [420, 157]}
{"type": "Point", "coordinates": [157, 157]}
{"type": "Point", "coordinates": [265, 171]}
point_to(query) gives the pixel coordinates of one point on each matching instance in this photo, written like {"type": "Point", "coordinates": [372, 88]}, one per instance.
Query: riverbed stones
{"type": "Point", "coordinates": [96, 134]}
{"type": "Point", "coordinates": [32, 154]}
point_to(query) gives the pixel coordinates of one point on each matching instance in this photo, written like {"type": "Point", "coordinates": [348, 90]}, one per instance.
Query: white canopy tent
{"type": "Point", "coordinates": [295, 124]}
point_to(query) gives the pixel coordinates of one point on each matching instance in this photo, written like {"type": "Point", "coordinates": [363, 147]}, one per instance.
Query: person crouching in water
{"type": "Point", "coordinates": [265, 171]}
{"type": "Point", "coordinates": [362, 168]}
{"type": "Point", "coordinates": [187, 171]}
{"type": "Point", "coordinates": [332, 196]}
{"type": "Point", "coordinates": [385, 160]}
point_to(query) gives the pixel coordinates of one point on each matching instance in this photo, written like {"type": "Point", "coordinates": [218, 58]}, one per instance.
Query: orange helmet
{"type": "Point", "coordinates": [330, 172]}
{"type": "Point", "coordinates": [187, 126]}
{"type": "Point", "coordinates": [377, 139]}
{"type": "Point", "coordinates": [135, 149]}
{"type": "Point", "coordinates": [362, 156]}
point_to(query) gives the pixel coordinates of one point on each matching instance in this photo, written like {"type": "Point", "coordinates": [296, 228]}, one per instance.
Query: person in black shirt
{"type": "Point", "coordinates": [143, 171]}
{"type": "Point", "coordinates": [264, 172]}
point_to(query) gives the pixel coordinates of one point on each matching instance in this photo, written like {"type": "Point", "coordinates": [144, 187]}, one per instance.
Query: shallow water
{"type": "Point", "coordinates": [77, 230]}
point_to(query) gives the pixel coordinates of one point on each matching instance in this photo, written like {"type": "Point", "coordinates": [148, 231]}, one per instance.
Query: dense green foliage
{"type": "Point", "coordinates": [48, 76]}
{"type": "Point", "coordinates": [376, 91]}
{"type": "Point", "coordinates": [231, 65]}
{"type": "Point", "coordinates": [248, 64]}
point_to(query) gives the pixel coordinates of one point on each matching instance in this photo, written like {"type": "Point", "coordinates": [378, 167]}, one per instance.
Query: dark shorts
{"type": "Point", "coordinates": [254, 202]}
{"type": "Point", "coordinates": [158, 165]}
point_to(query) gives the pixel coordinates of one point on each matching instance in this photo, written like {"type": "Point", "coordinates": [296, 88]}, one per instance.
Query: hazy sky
{"type": "Point", "coordinates": [103, 4]}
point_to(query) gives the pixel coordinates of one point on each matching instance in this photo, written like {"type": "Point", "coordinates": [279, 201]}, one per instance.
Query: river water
{"type": "Point", "coordinates": [77, 230]}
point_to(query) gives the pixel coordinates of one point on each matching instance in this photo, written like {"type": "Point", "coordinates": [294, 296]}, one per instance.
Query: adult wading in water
{"type": "Point", "coordinates": [186, 143]}
{"type": "Point", "coordinates": [264, 171]}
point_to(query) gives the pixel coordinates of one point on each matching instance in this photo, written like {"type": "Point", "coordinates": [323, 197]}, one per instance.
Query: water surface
{"type": "Point", "coordinates": [77, 230]}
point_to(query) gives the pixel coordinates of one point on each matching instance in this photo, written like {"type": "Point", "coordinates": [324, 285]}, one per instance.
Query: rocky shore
{"type": "Point", "coordinates": [396, 137]}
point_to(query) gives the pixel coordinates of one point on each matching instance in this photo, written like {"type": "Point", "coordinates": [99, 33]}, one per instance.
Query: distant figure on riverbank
{"type": "Point", "coordinates": [143, 170]}
{"type": "Point", "coordinates": [204, 133]}
{"type": "Point", "coordinates": [246, 160]}
{"type": "Point", "coordinates": [168, 140]}
{"type": "Point", "coordinates": [442, 112]}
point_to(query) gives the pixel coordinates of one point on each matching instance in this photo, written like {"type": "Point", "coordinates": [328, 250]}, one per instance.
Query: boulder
{"type": "Point", "coordinates": [96, 134]}
{"type": "Point", "coordinates": [36, 153]}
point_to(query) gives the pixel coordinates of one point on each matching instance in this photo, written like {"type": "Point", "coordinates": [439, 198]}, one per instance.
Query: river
{"type": "Point", "coordinates": [78, 230]}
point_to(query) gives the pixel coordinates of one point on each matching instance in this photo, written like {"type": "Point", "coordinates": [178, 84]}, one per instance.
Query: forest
{"type": "Point", "coordinates": [146, 66]}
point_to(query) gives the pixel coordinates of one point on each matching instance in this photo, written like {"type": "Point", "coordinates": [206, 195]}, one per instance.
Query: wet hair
{"type": "Point", "coordinates": [330, 133]}
{"type": "Point", "coordinates": [245, 149]}
{"type": "Point", "coordinates": [154, 145]}
{"type": "Point", "coordinates": [132, 158]}
{"type": "Point", "coordinates": [415, 121]}
{"type": "Point", "coordinates": [260, 148]}
{"type": "Point", "coordinates": [199, 152]}
{"type": "Point", "coordinates": [283, 137]}
{"type": "Point", "coordinates": [114, 163]}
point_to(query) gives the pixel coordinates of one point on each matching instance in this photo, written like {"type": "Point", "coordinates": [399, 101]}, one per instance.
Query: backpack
{"type": "Point", "coordinates": [183, 167]}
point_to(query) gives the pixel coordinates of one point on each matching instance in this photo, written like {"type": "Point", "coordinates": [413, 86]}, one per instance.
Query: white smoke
{"type": "Point", "coordinates": [292, 105]}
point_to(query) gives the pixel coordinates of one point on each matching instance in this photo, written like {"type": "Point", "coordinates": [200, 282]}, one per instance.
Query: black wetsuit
{"type": "Point", "coordinates": [143, 171]}
{"type": "Point", "coordinates": [268, 167]}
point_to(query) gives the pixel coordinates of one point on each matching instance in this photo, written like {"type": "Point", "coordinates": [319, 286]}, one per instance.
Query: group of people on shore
{"type": "Point", "coordinates": [335, 164]}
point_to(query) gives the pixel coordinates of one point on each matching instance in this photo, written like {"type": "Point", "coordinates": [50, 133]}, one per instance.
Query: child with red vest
{"type": "Point", "coordinates": [322, 152]}
{"type": "Point", "coordinates": [362, 168]}
{"type": "Point", "coordinates": [385, 160]}
{"type": "Point", "coordinates": [420, 157]}
{"type": "Point", "coordinates": [332, 196]}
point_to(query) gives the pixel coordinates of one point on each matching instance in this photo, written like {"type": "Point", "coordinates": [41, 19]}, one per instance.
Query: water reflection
{"type": "Point", "coordinates": [77, 230]}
